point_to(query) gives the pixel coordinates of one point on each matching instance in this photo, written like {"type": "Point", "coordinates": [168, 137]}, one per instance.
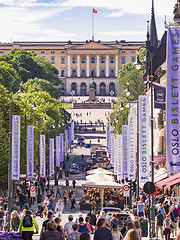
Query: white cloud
{"type": "Point", "coordinates": [121, 7]}
{"type": "Point", "coordinates": [122, 33]}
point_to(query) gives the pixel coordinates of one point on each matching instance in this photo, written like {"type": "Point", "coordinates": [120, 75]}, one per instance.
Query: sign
{"type": "Point", "coordinates": [159, 97]}
{"type": "Point", "coordinates": [15, 147]}
{"type": "Point", "coordinates": [51, 156]}
{"type": "Point", "coordinates": [126, 188]}
{"type": "Point", "coordinates": [42, 156]}
{"type": "Point", "coordinates": [69, 136]}
{"type": "Point", "coordinates": [112, 149]}
{"type": "Point", "coordinates": [61, 148]}
{"type": "Point", "coordinates": [144, 159]}
{"type": "Point", "coordinates": [126, 193]}
{"type": "Point", "coordinates": [173, 101]}
{"type": "Point", "coordinates": [72, 131]}
{"type": "Point", "coordinates": [155, 192]}
{"type": "Point", "coordinates": [149, 188]}
{"type": "Point", "coordinates": [115, 155]}
{"type": "Point", "coordinates": [32, 188]}
{"type": "Point", "coordinates": [119, 156]}
{"type": "Point", "coordinates": [30, 151]}
{"type": "Point", "coordinates": [131, 147]}
{"type": "Point", "coordinates": [57, 151]}
{"type": "Point", "coordinates": [124, 144]}
{"type": "Point", "coordinates": [43, 180]}
{"type": "Point", "coordinates": [66, 141]}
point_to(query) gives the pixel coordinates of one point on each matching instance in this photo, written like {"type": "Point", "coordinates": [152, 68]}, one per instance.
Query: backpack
{"type": "Point", "coordinates": [27, 221]}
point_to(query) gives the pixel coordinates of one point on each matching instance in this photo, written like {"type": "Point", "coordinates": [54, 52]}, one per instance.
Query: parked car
{"type": "Point", "coordinates": [74, 169]}
{"type": "Point", "coordinates": [80, 140]}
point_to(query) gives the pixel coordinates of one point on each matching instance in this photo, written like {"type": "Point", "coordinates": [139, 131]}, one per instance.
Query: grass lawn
{"type": "Point", "coordinates": [67, 105]}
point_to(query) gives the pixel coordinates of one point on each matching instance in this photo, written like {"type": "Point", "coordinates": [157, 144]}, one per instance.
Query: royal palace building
{"type": "Point", "coordinates": [77, 62]}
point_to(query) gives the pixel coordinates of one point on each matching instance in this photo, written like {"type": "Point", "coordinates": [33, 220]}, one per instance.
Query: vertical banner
{"type": "Point", "coordinates": [132, 146]}
{"type": "Point", "coordinates": [173, 101]}
{"type": "Point", "coordinates": [119, 157]}
{"type": "Point", "coordinates": [66, 141]}
{"type": "Point", "coordinates": [61, 148]}
{"type": "Point", "coordinates": [69, 136]}
{"type": "Point", "coordinates": [57, 151]}
{"type": "Point", "coordinates": [144, 158]}
{"type": "Point", "coordinates": [115, 155]}
{"type": "Point", "coordinates": [42, 157]}
{"type": "Point", "coordinates": [107, 134]}
{"type": "Point", "coordinates": [30, 151]}
{"type": "Point", "coordinates": [15, 147]}
{"type": "Point", "coordinates": [112, 149]}
{"type": "Point", "coordinates": [124, 145]}
{"type": "Point", "coordinates": [72, 131]}
{"type": "Point", "coordinates": [51, 156]}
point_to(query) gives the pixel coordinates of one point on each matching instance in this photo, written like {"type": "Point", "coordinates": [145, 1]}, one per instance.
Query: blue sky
{"type": "Point", "coordinates": [62, 20]}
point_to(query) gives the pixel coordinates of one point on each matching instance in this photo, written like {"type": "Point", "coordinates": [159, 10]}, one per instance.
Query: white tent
{"type": "Point", "coordinates": [99, 170]}
{"type": "Point", "coordinates": [101, 181]}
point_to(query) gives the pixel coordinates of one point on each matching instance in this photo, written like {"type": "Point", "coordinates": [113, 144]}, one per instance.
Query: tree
{"type": "Point", "coordinates": [128, 76]}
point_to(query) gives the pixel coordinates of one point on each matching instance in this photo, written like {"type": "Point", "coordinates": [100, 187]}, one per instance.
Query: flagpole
{"type": "Point", "coordinates": [92, 26]}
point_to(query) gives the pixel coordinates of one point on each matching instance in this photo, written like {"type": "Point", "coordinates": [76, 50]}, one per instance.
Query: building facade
{"type": "Point", "coordinates": [78, 62]}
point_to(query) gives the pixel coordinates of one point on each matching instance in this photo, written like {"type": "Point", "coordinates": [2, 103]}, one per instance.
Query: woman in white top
{"type": "Point", "coordinates": [116, 234]}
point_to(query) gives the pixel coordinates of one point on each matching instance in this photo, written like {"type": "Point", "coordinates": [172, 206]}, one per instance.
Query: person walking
{"type": "Point", "coordinates": [15, 221]}
{"type": "Point", "coordinates": [140, 208]}
{"type": "Point", "coordinates": [27, 224]}
{"type": "Point", "coordinates": [68, 226]}
{"type": "Point", "coordinates": [159, 224]}
{"type": "Point", "coordinates": [83, 227]}
{"type": "Point", "coordinates": [65, 196]}
{"type": "Point", "coordinates": [51, 233]}
{"type": "Point", "coordinates": [131, 235]}
{"type": "Point", "coordinates": [102, 233]}
{"type": "Point", "coordinates": [6, 225]}
{"type": "Point", "coordinates": [74, 183]}
{"type": "Point", "coordinates": [73, 201]}
{"type": "Point", "coordinates": [167, 227]}
{"type": "Point", "coordinates": [75, 235]}
{"type": "Point", "coordinates": [59, 208]}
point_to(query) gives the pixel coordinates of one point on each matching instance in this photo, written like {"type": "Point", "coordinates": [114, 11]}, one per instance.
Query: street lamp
{"type": "Point", "coordinates": [152, 210]}
{"type": "Point", "coordinates": [72, 94]}
{"type": "Point", "coordinates": [9, 161]}
{"type": "Point", "coordinates": [111, 93]}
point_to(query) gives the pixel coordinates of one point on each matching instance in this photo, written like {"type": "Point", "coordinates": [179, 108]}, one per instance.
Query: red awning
{"type": "Point", "coordinates": [168, 181]}
{"type": "Point", "coordinates": [173, 182]}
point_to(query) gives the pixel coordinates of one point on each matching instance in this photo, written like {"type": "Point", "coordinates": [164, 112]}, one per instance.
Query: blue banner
{"type": "Point", "coordinates": [15, 147]}
{"type": "Point", "coordinates": [30, 151]}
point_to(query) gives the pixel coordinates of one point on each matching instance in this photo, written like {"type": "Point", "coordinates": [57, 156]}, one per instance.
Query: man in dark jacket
{"type": "Point", "coordinates": [51, 233]}
{"type": "Point", "coordinates": [102, 233]}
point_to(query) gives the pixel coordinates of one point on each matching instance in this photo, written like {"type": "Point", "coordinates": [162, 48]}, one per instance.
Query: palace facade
{"type": "Point", "coordinates": [78, 62]}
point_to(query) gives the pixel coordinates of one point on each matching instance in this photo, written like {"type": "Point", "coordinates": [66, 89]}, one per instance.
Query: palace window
{"type": "Point", "coordinates": [83, 73]}
{"type": "Point", "coordinates": [111, 74]}
{"type": "Point", "coordinates": [133, 59]}
{"type": "Point", "coordinates": [62, 60]}
{"type": "Point", "coordinates": [62, 72]}
{"type": "Point", "coordinates": [92, 59]}
{"type": "Point", "coordinates": [83, 60]}
{"type": "Point", "coordinates": [111, 59]}
{"type": "Point", "coordinates": [73, 59]}
{"type": "Point", "coordinates": [52, 60]}
{"type": "Point", "coordinates": [102, 59]}
{"type": "Point", "coordinates": [123, 60]}
{"type": "Point", "coordinates": [74, 73]}
{"type": "Point", "coordinates": [102, 72]}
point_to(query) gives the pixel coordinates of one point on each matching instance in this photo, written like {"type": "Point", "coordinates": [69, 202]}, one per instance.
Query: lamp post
{"type": "Point", "coordinates": [127, 92]}
{"type": "Point", "coordinates": [152, 209]}
{"type": "Point", "coordinates": [9, 161]}
{"type": "Point", "coordinates": [72, 94]}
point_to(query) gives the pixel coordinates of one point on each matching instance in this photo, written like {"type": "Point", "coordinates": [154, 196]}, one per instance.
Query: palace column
{"type": "Point", "coordinates": [87, 66]}
{"type": "Point", "coordinates": [107, 65]}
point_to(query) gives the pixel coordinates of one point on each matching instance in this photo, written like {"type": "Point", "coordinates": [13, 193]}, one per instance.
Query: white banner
{"type": "Point", "coordinates": [51, 156]}
{"type": "Point", "coordinates": [15, 147]}
{"type": "Point", "coordinates": [66, 141]}
{"type": "Point", "coordinates": [109, 141]}
{"type": "Point", "coordinates": [72, 131]}
{"type": "Point", "coordinates": [124, 144]}
{"type": "Point", "coordinates": [144, 159]}
{"type": "Point", "coordinates": [112, 149]}
{"type": "Point", "coordinates": [57, 151]}
{"type": "Point", "coordinates": [119, 156]}
{"type": "Point", "coordinates": [42, 157]}
{"type": "Point", "coordinates": [115, 155]}
{"type": "Point", "coordinates": [61, 148]}
{"type": "Point", "coordinates": [30, 151]}
{"type": "Point", "coordinates": [132, 146]}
